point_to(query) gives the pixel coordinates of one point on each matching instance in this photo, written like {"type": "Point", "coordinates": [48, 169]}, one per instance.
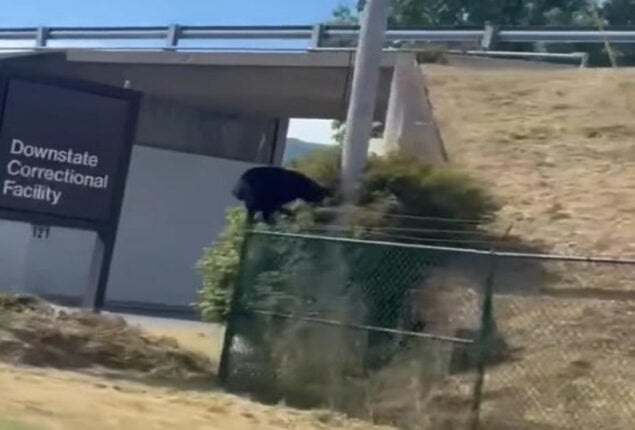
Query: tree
{"type": "Point", "coordinates": [343, 15]}
{"type": "Point", "coordinates": [619, 12]}
{"type": "Point", "coordinates": [469, 12]}
{"type": "Point", "coordinates": [339, 131]}
{"type": "Point", "coordinates": [458, 13]}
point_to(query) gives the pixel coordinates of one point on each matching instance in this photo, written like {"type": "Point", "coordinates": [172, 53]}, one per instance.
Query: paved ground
{"type": "Point", "coordinates": [163, 322]}
{"type": "Point", "coordinates": [206, 338]}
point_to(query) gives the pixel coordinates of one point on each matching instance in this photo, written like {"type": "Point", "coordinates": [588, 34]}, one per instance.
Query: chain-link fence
{"type": "Point", "coordinates": [425, 337]}
{"type": "Point", "coordinates": [571, 325]}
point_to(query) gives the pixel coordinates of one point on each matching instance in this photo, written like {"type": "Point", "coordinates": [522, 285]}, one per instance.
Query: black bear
{"type": "Point", "coordinates": [267, 189]}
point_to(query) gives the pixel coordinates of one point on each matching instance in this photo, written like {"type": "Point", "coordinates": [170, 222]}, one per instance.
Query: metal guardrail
{"type": "Point", "coordinates": [581, 57]}
{"type": "Point", "coordinates": [315, 35]}
{"type": "Point", "coordinates": [564, 36]}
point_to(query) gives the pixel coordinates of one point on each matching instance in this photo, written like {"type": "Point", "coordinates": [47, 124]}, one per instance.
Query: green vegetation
{"type": "Point", "coordinates": [218, 267]}
{"type": "Point", "coordinates": [298, 148]}
{"type": "Point", "coordinates": [500, 12]}
{"type": "Point", "coordinates": [399, 194]}
{"type": "Point", "coordinates": [587, 13]}
{"type": "Point", "coordinates": [403, 194]}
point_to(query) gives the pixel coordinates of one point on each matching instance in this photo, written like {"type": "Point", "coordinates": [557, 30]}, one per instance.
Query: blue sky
{"type": "Point", "coordinates": [29, 13]}
{"type": "Point", "coordinates": [157, 12]}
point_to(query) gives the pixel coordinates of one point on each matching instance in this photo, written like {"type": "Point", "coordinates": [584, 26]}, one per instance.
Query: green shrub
{"type": "Point", "coordinates": [398, 194]}
{"type": "Point", "coordinates": [219, 264]}
{"type": "Point", "coordinates": [218, 267]}
{"type": "Point", "coordinates": [401, 192]}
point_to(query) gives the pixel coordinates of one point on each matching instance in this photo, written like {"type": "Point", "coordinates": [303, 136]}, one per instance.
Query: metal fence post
{"type": "Point", "coordinates": [487, 324]}
{"type": "Point", "coordinates": [172, 40]}
{"type": "Point", "coordinates": [234, 309]}
{"type": "Point", "coordinates": [316, 35]}
{"type": "Point", "coordinates": [490, 36]}
{"type": "Point", "coordinates": [41, 37]}
{"type": "Point", "coordinates": [584, 62]}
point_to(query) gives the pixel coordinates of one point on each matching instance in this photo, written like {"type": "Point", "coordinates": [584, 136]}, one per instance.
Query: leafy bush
{"type": "Point", "coordinates": [219, 264]}
{"type": "Point", "coordinates": [218, 268]}
{"type": "Point", "coordinates": [402, 193]}
{"type": "Point", "coordinates": [398, 194]}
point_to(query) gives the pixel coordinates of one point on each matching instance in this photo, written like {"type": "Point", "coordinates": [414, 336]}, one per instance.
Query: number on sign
{"type": "Point", "coordinates": [40, 231]}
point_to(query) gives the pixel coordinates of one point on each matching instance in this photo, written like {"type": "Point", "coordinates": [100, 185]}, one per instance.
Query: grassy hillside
{"type": "Point", "coordinates": [557, 146]}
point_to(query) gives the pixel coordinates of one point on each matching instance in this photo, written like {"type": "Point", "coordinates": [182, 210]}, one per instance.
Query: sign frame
{"type": "Point", "coordinates": [106, 230]}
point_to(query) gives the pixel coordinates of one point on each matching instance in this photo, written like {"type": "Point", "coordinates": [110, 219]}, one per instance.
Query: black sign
{"type": "Point", "coordinates": [64, 153]}
{"type": "Point", "coordinates": [64, 149]}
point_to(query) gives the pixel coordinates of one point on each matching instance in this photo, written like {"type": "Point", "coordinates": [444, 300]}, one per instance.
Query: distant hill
{"type": "Point", "coordinates": [296, 148]}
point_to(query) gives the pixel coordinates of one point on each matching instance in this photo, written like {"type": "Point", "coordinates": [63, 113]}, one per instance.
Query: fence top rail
{"type": "Point", "coordinates": [468, 251]}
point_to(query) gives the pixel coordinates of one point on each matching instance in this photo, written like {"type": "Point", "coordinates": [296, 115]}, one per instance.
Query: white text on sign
{"type": "Point", "coordinates": [19, 169]}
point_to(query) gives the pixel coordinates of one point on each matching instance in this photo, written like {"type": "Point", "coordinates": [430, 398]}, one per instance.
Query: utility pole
{"type": "Point", "coordinates": [359, 117]}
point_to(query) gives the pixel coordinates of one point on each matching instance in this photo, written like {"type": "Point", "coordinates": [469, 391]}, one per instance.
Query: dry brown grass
{"type": "Point", "coordinates": [576, 367]}
{"type": "Point", "coordinates": [34, 333]}
{"type": "Point", "coordinates": [207, 342]}
{"type": "Point", "coordinates": [558, 149]}
{"type": "Point", "coordinates": [61, 400]}
{"type": "Point", "coordinates": [76, 370]}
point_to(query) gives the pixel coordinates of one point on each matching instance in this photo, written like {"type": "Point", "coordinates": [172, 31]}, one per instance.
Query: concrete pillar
{"type": "Point", "coordinates": [361, 108]}
{"type": "Point", "coordinates": [410, 125]}
{"type": "Point", "coordinates": [280, 143]}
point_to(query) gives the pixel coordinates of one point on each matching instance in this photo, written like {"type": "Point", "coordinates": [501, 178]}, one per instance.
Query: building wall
{"type": "Point", "coordinates": [14, 242]}
{"type": "Point", "coordinates": [174, 206]}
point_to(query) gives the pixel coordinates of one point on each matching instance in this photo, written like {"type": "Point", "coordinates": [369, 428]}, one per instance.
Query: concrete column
{"type": "Point", "coordinates": [359, 117]}
{"type": "Point", "coordinates": [280, 145]}
{"type": "Point", "coordinates": [410, 125]}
